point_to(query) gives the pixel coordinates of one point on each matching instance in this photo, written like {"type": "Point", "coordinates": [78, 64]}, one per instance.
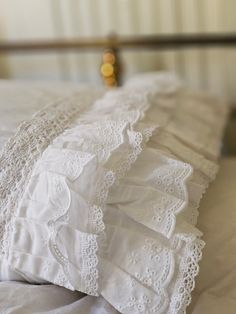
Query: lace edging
{"type": "Point", "coordinates": [89, 272]}
{"type": "Point", "coordinates": [188, 269]}
{"type": "Point", "coordinates": [185, 283]}
{"type": "Point", "coordinates": [31, 139]}
{"type": "Point", "coordinates": [112, 177]}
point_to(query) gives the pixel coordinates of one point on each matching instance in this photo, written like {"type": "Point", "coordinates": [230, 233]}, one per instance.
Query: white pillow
{"type": "Point", "coordinates": [107, 211]}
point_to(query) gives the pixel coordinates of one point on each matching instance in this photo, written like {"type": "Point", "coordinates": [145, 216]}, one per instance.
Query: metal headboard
{"type": "Point", "coordinates": [112, 46]}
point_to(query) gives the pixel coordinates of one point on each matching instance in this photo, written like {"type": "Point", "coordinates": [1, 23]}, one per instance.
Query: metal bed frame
{"type": "Point", "coordinates": [128, 42]}
{"type": "Point", "coordinates": [113, 44]}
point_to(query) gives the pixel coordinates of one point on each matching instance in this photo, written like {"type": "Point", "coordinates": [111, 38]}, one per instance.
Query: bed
{"type": "Point", "coordinates": [156, 148]}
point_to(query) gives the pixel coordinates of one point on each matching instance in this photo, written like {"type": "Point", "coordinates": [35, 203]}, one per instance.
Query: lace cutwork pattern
{"type": "Point", "coordinates": [21, 152]}
{"type": "Point", "coordinates": [185, 283]}
{"type": "Point", "coordinates": [97, 142]}
{"type": "Point", "coordinates": [111, 135]}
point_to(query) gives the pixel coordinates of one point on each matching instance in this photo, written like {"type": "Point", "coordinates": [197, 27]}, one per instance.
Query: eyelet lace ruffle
{"type": "Point", "coordinates": [86, 144]}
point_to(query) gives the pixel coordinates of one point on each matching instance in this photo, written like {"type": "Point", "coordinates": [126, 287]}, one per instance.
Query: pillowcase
{"type": "Point", "coordinates": [109, 205]}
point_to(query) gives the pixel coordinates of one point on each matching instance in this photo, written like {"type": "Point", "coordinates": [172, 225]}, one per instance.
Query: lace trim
{"type": "Point", "coordinates": [169, 196]}
{"type": "Point", "coordinates": [136, 139]}
{"type": "Point", "coordinates": [111, 177]}
{"type": "Point", "coordinates": [190, 255]}
{"type": "Point", "coordinates": [189, 259]}
{"type": "Point", "coordinates": [111, 133]}
{"type": "Point", "coordinates": [89, 271]}
{"type": "Point", "coordinates": [187, 269]}
{"type": "Point", "coordinates": [106, 138]}
{"type": "Point", "coordinates": [21, 152]}
{"type": "Point", "coordinates": [185, 282]}
{"type": "Point", "coordinates": [177, 184]}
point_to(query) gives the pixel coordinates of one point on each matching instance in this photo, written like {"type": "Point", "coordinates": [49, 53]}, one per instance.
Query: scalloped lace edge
{"type": "Point", "coordinates": [112, 177]}
{"type": "Point", "coordinates": [185, 283]}
{"type": "Point", "coordinates": [189, 266]}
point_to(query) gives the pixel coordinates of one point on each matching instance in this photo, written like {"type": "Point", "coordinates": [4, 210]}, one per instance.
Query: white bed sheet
{"type": "Point", "coordinates": [215, 291]}
{"type": "Point", "coordinates": [23, 298]}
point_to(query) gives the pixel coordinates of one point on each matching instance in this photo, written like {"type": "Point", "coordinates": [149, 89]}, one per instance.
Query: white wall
{"type": "Point", "coordinates": [213, 69]}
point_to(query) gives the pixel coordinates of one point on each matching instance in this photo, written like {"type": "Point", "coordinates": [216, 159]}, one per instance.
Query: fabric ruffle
{"type": "Point", "coordinates": [111, 205]}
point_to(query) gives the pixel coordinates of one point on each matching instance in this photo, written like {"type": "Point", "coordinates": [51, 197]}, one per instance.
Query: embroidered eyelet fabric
{"type": "Point", "coordinates": [106, 202]}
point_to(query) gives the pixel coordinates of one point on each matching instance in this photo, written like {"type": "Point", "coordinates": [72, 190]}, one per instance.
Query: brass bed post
{"type": "Point", "coordinates": [111, 70]}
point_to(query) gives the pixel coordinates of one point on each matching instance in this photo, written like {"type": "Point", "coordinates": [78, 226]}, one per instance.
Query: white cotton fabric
{"type": "Point", "coordinates": [20, 100]}
{"type": "Point", "coordinates": [214, 291]}
{"type": "Point", "coordinates": [24, 298]}
{"type": "Point", "coordinates": [48, 104]}
{"type": "Point", "coordinates": [111, 204]}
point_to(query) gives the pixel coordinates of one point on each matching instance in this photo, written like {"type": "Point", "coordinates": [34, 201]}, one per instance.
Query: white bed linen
{"type": "Point", "coordinates": [215, 291]}
{"type": "Point", "coordinates": [23, 298]}
{"type": "Point", "coordinates": [168, 149]}
{"type": "Point", "coordinates": [19, 100]}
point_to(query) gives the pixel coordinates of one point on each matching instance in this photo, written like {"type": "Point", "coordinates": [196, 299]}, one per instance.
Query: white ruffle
{"type": "Point", "coordinates": [111, 205]}
{"type": "Point", "coordinates": [69, 187]}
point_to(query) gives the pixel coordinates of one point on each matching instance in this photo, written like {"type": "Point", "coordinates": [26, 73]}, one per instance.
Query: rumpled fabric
{"type": "Point", "coordinates": [19, 297]}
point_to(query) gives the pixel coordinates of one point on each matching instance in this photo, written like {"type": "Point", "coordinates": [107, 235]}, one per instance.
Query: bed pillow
{"type": "Point", "coordinates": [107, 204]}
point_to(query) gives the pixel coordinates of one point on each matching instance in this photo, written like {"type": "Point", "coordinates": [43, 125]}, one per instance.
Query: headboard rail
{"type": "Point", "coordinates": [113, 44]}
{"type": "Point", "coordinates": [122, 42]}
